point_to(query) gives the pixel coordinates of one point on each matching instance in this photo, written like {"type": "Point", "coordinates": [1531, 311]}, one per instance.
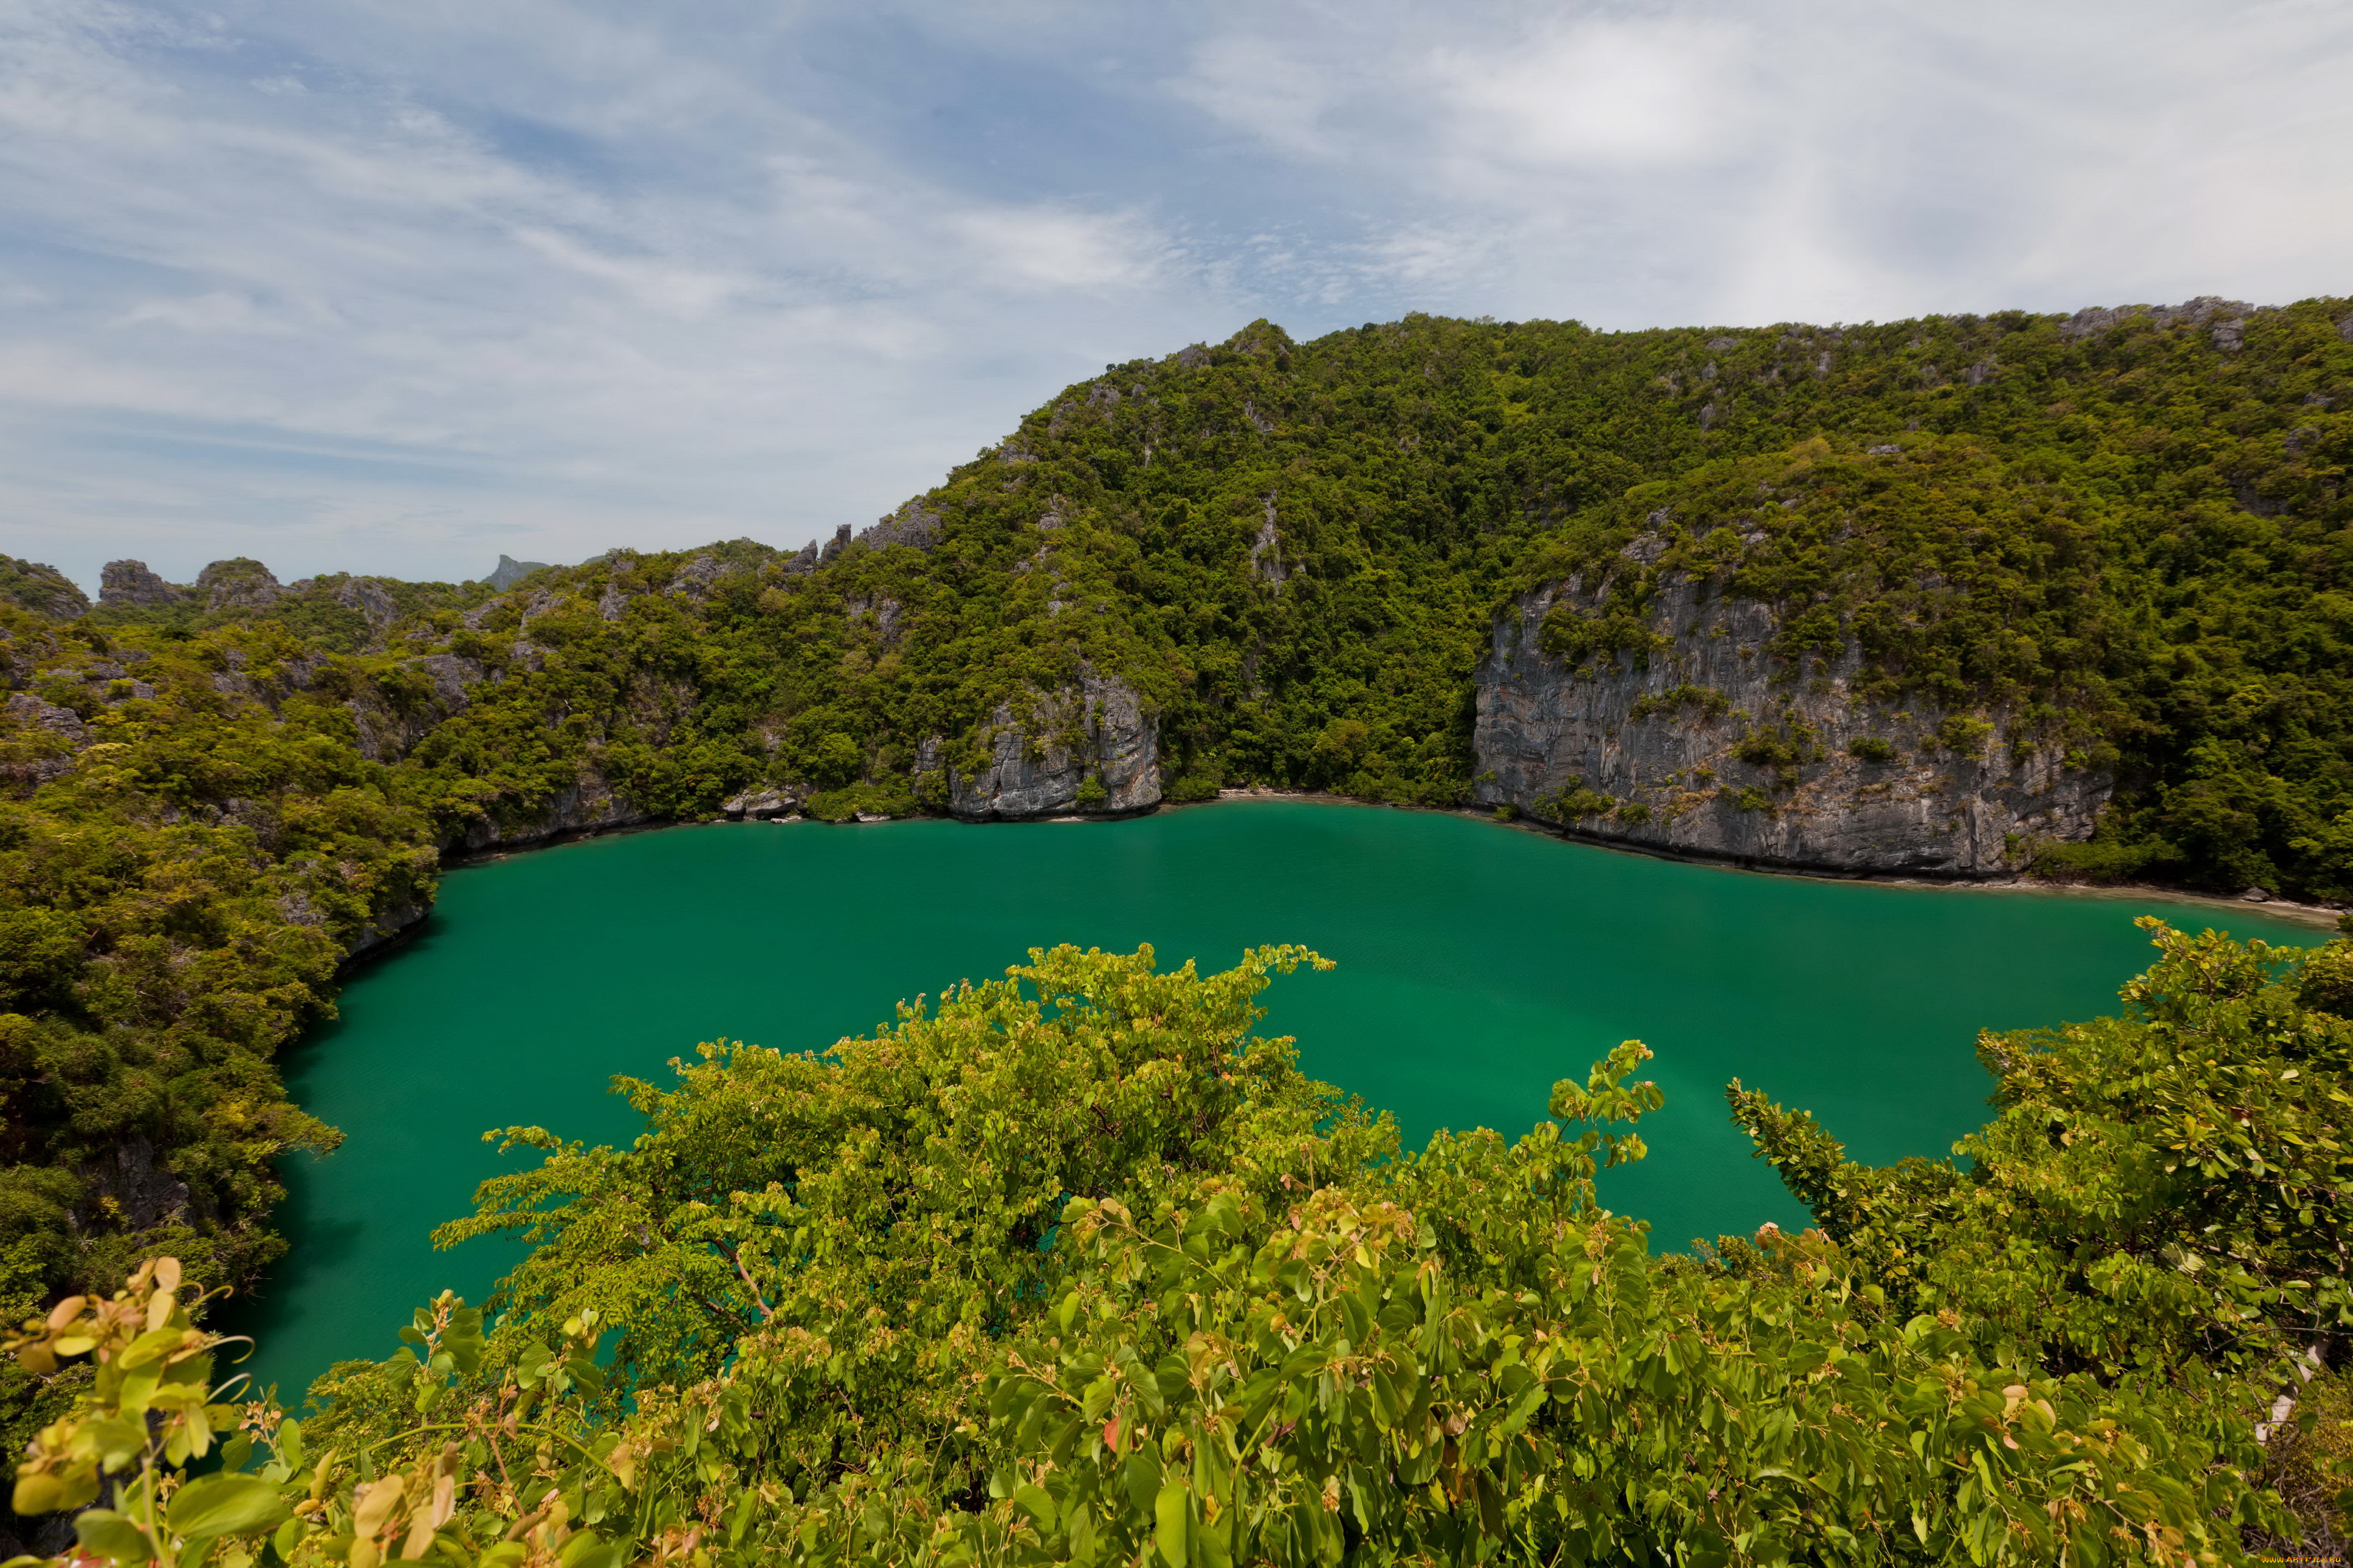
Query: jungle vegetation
{"type": "Point", "coordinates": [1071, 1268]}
{"type": "Point", "coordinates": [2131, 528]}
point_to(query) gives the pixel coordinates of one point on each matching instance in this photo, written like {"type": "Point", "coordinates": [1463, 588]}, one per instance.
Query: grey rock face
{"type": "Point", "coordinates": [32, 712]}
{"type": "Point", "coordinates": [884, 611]}
{"type": "Point", "coordinates": [63, 737]}
{"type": "Point", "coordinates": [1097, 730]}
{"type": "Point", "coordinates": [388, 735]}
{"type": "Point", "coordinates": [128, 585]}
{"type": "Point", "coordinates": [694, 578]}
{"type": "Point", "coordinates": [509, 571]}
{"type": "Point", "coordinates": [368, 598]}
{"type": "Point", "coordinates": [395, 920]}
{"type": "Point", "coordinates": [2190, 312]}
{"type": "Point", "coordinates": [1266, 550]}
{"type": "Point", "coordinates": [146, 1195]}
{"type": "Point", "coordinates": [1678, 780]}
{"type": "Point", "coordinates": [41, 588]}
{"type": "Point", "coordinates": [914, 524]}
{"type": "Point", "coordinates": [590, 805]}
{"type": "Point", "coordinates": [236, 583]}
{"type": "Point", "coordinates": [760, 805]}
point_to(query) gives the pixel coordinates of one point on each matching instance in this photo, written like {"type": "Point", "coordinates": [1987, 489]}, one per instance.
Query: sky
{"type": "Point", "coordinates": [398, 287]}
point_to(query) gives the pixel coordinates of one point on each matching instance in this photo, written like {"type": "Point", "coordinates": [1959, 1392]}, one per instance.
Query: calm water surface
{"type": "Point", "coordinates": [1477, 965]}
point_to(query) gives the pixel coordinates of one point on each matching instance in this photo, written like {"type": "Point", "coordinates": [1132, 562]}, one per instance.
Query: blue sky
{"type": "Point", "coordinates": [393, 287]}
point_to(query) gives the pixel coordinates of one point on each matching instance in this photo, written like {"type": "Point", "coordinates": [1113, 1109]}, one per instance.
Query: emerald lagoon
{"type": "Point", "coordinates": [1477, 964]}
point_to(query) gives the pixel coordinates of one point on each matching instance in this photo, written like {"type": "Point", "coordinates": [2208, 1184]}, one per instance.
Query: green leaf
{"type": "Point", "coordinates": [106, 1533]}
{"type": "Point", "coordinates": [1170, 1536]}
{"type": "Point", "coordinates": [149, 1347]}
{"type": "Point", "coordinates": [225, 1505]}
{"type": "Point", "coordinates": [1035, 1501]}
{"type": "Point", "coordinates": [584, 1551]}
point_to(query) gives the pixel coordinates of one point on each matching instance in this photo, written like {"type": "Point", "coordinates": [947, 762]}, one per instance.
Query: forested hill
{"type": "Point", "coordinates": [2120, 541]}
{"type": "Point", "coordinates": [1262, 562]}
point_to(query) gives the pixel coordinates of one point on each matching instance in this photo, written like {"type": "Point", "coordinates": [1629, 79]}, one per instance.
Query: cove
{"type": "Point", "coordinates": [1478, 964]}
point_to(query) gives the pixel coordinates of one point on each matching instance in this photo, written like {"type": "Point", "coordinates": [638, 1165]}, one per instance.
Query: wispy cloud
{"type": "Point", "coordinates": [346, 284]}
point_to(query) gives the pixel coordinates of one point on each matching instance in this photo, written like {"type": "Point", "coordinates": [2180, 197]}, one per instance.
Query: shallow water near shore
{"type": "Point", "coordinates": [1477, 965]}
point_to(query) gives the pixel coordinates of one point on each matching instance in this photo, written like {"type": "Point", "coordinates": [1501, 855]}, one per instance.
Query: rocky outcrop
{"type": "Point", "coordinates": [1706, 748]}
{"type": "Point", "coordinates": [589, 804]}
{"type": "Point", "coordinates": [427, 692]}
{"type": "Point", "coordinates": [398, 917]}
{"type": "Point", "coordinates": [760, 805]}
{"type": "Point", "coordinates": [368, 598]}
{"type": "Point", "coordinates": [914, 524]}
{"type": "Point", "coordinates": [41, 588]}
{"type": "Point", "coordinates": [127, 1179]}
{"type": "Point", "coordinates": [128, 584]}
{"type": "Point", "coordinates": [2227, 333]}
{"type": "Point", "coordinates": [238, 583]}
{"type": "Point", "coordinates": [1266, 551]}
{"type": "Point", "coordinates": [509, 572]}
{"type": "Point", "coordinates": [33, 713]}
{"type": "Point", "coordinates": [39, 739]}
{"type": "Point", "coordinates": [1092, 749]}
{"type": "Point", "coordinates": [695, 577]}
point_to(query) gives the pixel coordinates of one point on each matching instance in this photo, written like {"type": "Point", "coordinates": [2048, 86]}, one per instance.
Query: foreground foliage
{"type": "Point", "coordinates": [1071, 1268]}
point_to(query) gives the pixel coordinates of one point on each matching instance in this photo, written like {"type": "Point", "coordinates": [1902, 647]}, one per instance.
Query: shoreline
{"type": "Point", "coordinates": [2318, 916]}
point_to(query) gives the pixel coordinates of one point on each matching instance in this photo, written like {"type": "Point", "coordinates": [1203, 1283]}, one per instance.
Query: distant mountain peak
{"type": "Point", "coordinates": [510, 570]}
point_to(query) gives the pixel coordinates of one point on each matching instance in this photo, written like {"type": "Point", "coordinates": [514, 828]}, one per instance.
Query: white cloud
{"type": "Point", "coordinates": [1052, 249]}
{"type": "Point", "coordinates": [1267, 87]}
{"type": "Point", "coordinates": [688, 292]}
{"type": "Point", "coordinates": [1602, 94]}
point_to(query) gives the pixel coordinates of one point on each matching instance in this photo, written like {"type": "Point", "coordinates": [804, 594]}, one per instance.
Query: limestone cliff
{"type": "Point", "coordinates": [1042, 762]}
{"type": "Point", "coordinates": [589, 804]}
{"type": "Point", "coordinates": [1708, 746]}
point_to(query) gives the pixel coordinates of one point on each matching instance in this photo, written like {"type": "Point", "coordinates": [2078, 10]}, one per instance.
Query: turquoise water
{"type": "Point", "coordinates": [1478, 964]}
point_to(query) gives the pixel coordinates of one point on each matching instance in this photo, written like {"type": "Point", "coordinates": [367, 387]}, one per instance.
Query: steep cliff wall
{"type": "Point", "coordinates": [1096, 734]}
{"type": "Point", "coordinates": [1708, 745]}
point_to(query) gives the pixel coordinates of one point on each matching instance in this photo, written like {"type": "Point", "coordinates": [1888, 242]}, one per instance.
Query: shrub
{"type": "Point", "coordinates": [1138, 1288]}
